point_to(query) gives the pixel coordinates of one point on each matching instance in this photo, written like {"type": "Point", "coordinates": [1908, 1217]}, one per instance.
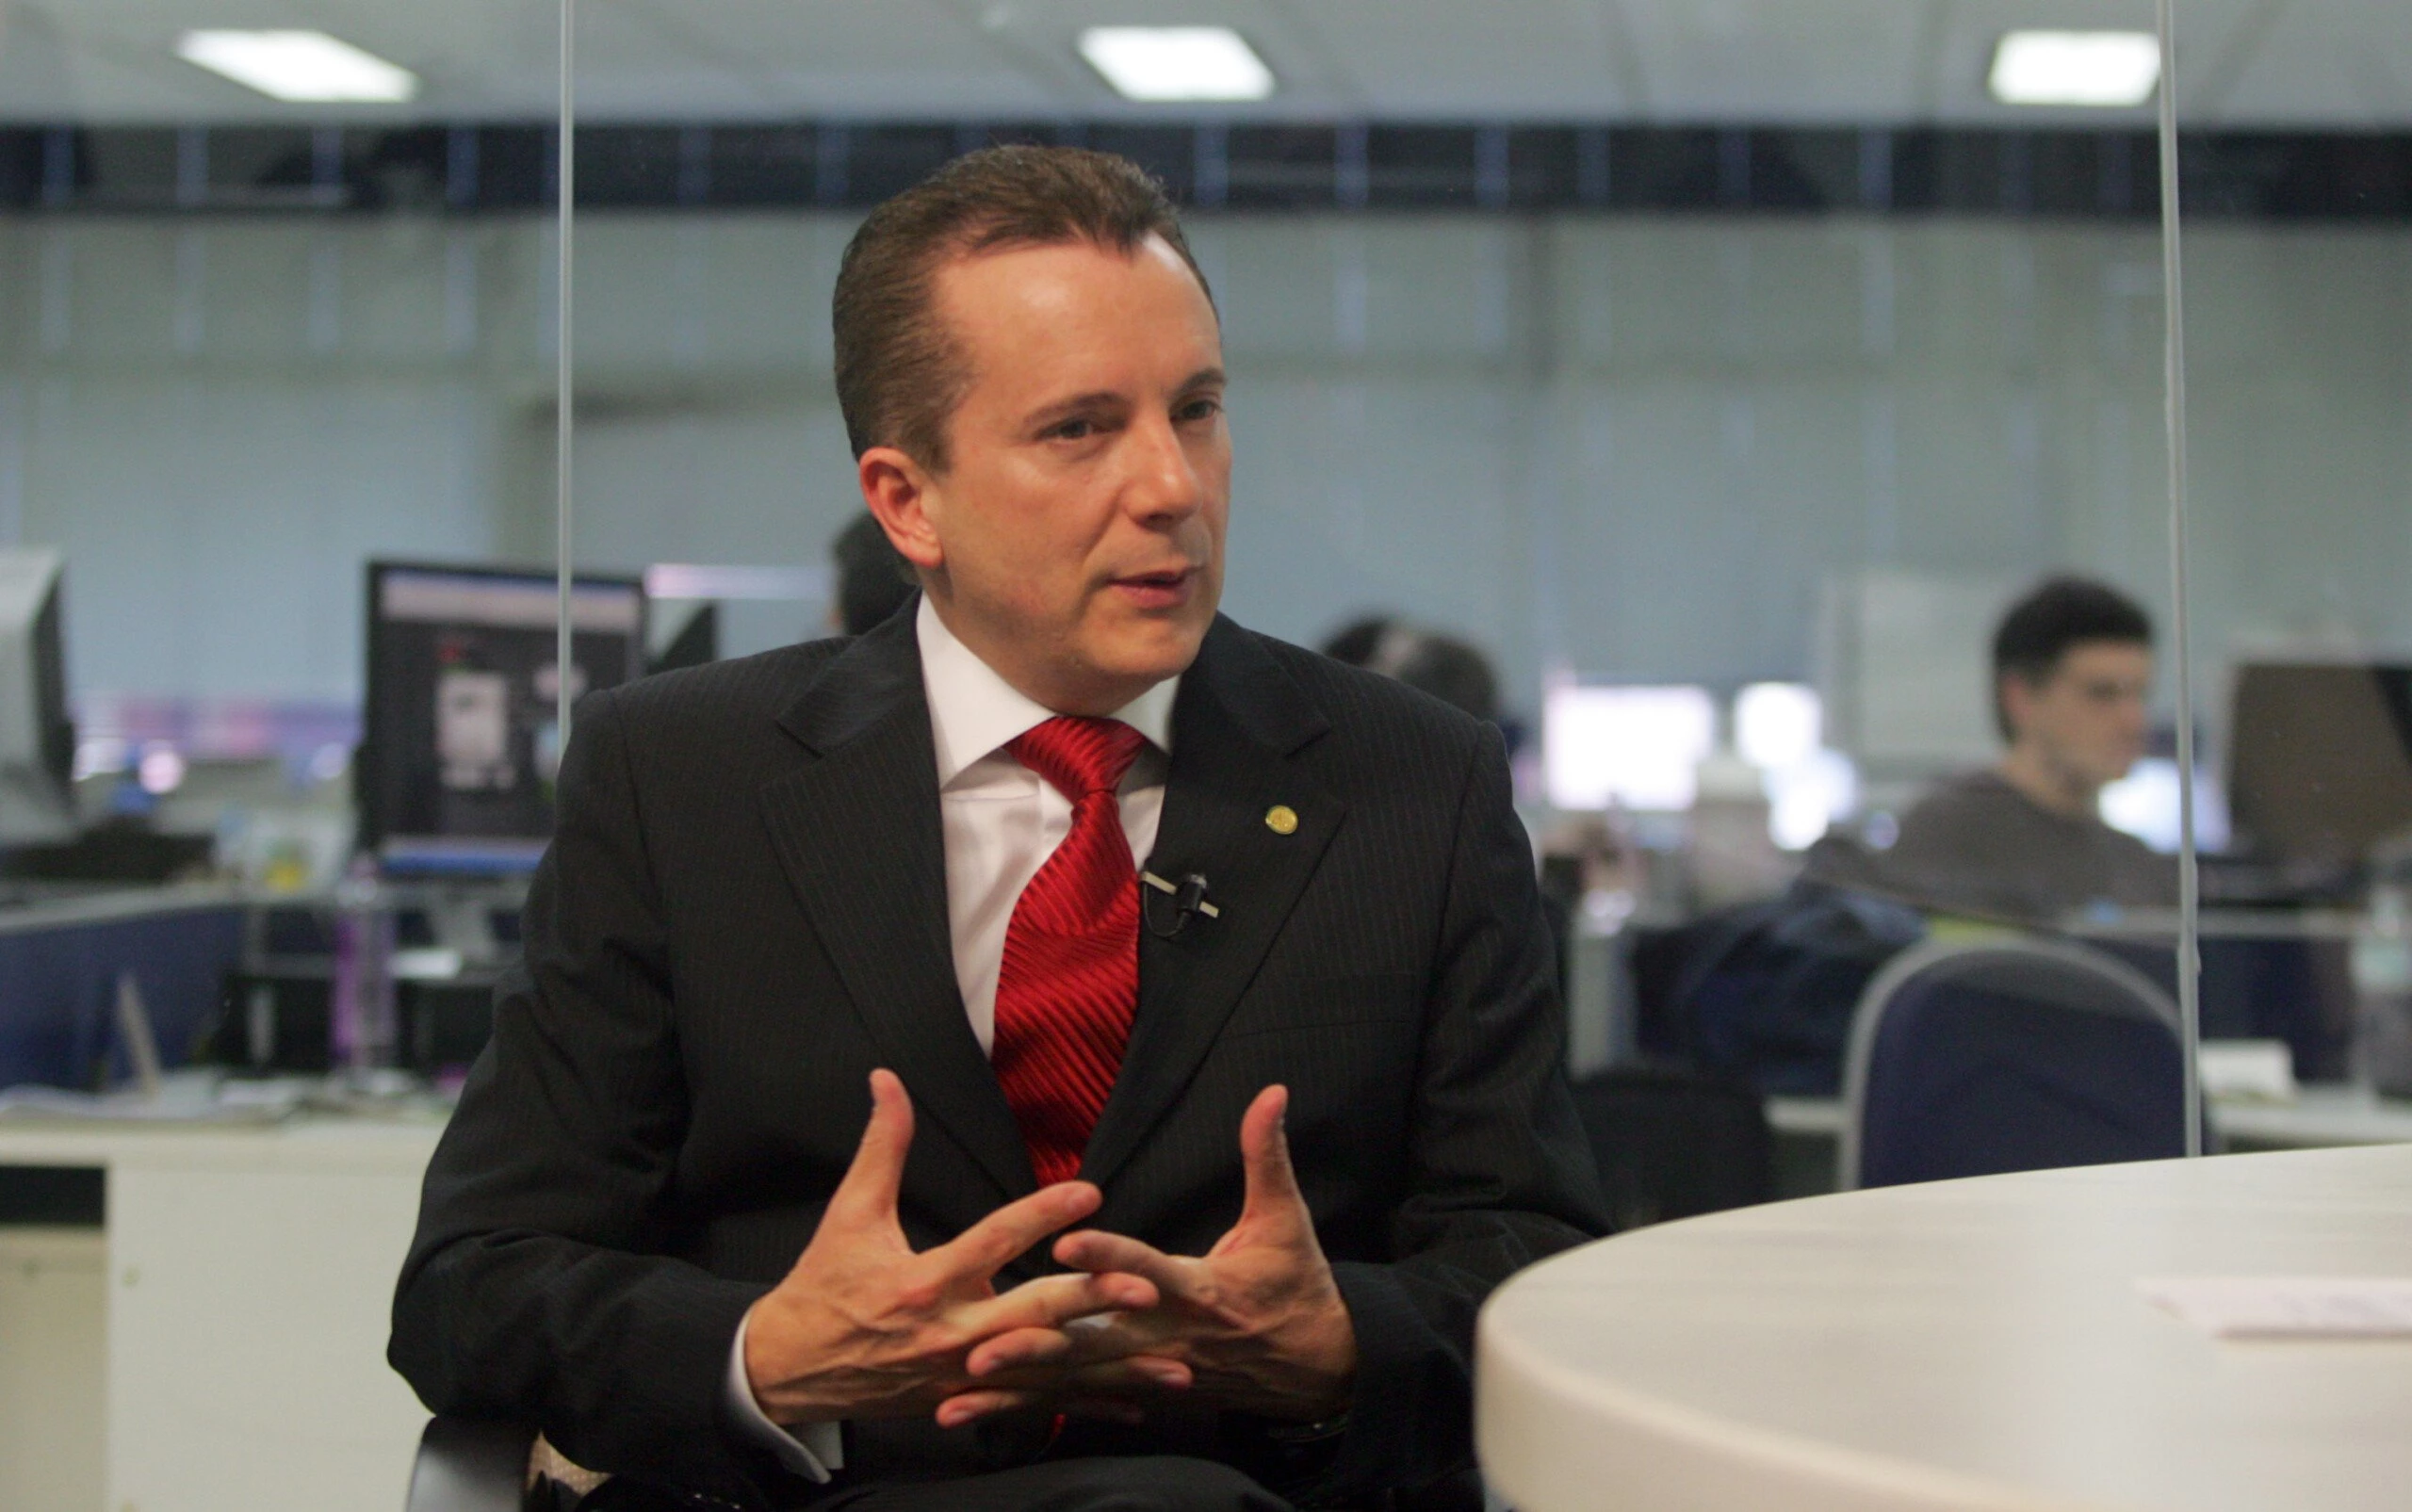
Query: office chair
{"type": "Point", "coordinates": [470, 1466]}
{"type": "Point", "coordinates": [2011, 1055]}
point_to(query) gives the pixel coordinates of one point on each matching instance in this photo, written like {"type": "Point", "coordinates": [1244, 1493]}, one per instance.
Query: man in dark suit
{"type": "Point", "coordinates": [1292, 1085]}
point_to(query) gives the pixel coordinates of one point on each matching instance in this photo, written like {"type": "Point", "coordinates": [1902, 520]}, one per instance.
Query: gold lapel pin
{"type": "Point", "coordinates": [1281, 819]}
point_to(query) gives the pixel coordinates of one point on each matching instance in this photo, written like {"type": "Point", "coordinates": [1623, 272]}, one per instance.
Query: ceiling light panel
{"type": "Point", "coordinates": [1162, 64]}
{"type": "Point", "coordinates": [2098, 69]}
{"type": "Point", "coordinates": [300, 67]}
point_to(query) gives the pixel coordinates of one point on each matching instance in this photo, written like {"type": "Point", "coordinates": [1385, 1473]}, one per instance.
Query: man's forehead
{"type": "Point", "coordinates": [2107, 660]}
{"type": "Point", "coordinates": [1060, 308]}
{"type": "Point", "coordinates": [1024, 273]}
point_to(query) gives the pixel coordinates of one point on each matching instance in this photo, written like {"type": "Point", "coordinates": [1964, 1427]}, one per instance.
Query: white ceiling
{"type": "Point", "coordinates": [2344, 63]}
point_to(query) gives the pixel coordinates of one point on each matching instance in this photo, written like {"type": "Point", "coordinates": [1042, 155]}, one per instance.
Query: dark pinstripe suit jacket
{"type": "Point", "coordinates": [745, 911]}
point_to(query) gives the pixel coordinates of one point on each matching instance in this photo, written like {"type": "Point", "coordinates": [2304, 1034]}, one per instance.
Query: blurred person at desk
{"type": "Point", "coordinates": [1451, 669]}
{"type": "Point", "coordinates": [1360, 640]}
{"type": "Point", "coordinates": [2071, 667]}
{"type": "Point", "coordinates": [866, 1126]}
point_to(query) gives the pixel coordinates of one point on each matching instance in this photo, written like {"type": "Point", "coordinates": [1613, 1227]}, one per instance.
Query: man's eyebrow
{"type": "Point", "coordinates": [1204, 378]}
{"type": "Point", "coordinates": [1059, 408]}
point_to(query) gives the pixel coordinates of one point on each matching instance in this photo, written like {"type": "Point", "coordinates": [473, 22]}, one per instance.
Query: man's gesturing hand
{"type": "Point", "coordinates": [864, 1327]}
{"type": "Point", "coordinates": [1258, 1321]}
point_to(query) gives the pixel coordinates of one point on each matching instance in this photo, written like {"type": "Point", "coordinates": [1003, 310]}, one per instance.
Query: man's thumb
{"type": "Point", "coordinates": [877, 1173]}
{"type": "Point", "coordinates": [1264, 1155]}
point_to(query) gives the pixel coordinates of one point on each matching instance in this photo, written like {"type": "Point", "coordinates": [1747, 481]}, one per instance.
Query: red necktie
{"type": "Point", "coordinates": [1069, 982]}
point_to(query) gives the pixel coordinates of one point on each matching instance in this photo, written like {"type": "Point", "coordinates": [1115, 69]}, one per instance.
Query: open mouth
{"type": "Point", "coordinates": [1165, 588]}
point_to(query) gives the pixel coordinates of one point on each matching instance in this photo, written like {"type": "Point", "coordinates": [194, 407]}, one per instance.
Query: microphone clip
{"type": "Point", "coordinates": [1188, 896]}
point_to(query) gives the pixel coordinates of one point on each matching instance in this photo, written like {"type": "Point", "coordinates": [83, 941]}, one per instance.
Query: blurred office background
{"type": "Point", "coordinates": [1621, 340]}
{"type": "Point", "coordinates": [1718, 370]}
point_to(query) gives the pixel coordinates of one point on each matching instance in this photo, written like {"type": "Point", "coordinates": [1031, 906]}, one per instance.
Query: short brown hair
{"type": "Point", "coordinates": [900, 374]}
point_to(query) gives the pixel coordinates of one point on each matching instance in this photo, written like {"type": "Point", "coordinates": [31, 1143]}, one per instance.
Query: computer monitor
{"type": "Point", "coordinates": [1636, 747]}
{"type": "Point", "coordinates": [460, 745]}
{"type": "Point", "coordinates": [2320, 760]}
{"type": "Point", "coordinates": [36, 738]}
{"type": "Point", "coordinates": [1902, 671]}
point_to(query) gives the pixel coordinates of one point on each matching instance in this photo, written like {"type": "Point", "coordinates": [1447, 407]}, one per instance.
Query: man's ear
{"type": "Point", "coordinates": [2017, 696]}
{"type": "Point", "coordinates": [897, 491]}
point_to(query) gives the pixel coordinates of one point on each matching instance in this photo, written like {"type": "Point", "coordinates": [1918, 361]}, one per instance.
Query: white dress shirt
{"type": "Point", "coordinates": [1002, 821]}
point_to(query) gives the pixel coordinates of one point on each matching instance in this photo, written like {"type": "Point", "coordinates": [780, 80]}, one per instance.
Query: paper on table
{"type": "Point", "coordinates": [2287, 1307]}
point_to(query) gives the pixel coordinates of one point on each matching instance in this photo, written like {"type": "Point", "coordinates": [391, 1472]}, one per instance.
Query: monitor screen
{"type": "Point", "coordinates": [1636, 747]}
{"type": "Point", "coordinates": [2320, 759]}
{"type": "Point", "coordinates": [460, 745]}
{"type": "Point", "coordinates": [2147, 804]}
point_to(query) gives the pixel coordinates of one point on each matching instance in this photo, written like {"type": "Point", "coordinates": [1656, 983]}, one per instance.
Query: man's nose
{"type": "Point", "coordinates": [1160, 483]}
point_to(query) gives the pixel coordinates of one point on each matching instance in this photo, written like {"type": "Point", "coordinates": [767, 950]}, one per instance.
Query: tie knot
{"type": "Point", "coordinates": [1077, 755]}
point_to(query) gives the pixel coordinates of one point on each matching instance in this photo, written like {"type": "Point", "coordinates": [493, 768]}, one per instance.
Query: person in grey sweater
{"type": "Point", "coordinates": [2072, 666]}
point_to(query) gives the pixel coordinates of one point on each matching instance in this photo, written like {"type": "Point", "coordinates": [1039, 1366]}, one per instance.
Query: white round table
{"type": "Point", "coordinates": [1962, 1344]}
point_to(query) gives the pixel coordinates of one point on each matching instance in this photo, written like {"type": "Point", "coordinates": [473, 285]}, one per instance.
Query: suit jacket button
{"type": "Point", "coordinates": [1281, 819]}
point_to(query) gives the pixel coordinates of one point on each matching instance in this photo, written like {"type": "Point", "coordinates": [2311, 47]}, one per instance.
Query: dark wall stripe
{"type": "Point", "coordinates": [1256, 165]}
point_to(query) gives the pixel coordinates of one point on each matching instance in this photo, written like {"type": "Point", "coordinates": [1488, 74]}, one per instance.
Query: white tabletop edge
{"type": "Point", "coordinates": [1850, 1476]}
{"type": "Point", "coordinates": [1557, 1425]}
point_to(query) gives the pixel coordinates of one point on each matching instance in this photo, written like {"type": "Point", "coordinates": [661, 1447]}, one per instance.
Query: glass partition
{"type": "Point", "coordinates": [273, 305]}
{"type": "Point", "coordinates": [2297, 255]}
{"type": "Point", "coordinates": [1695, 401]}
{"type": "Point", "coordinates": [1757, 414]}
{"type": "Point", "coordinates": [1691, 398]}
{"type": "Point", "coordinates": [272, 312]}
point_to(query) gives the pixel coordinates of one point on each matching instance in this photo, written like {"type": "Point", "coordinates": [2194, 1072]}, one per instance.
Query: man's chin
{"type": "Point", "coordinates": [1151, 652]}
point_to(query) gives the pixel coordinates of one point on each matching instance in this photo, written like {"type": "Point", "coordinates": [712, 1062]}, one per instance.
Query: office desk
{"type": "Point", "coordinates": [239, 1295]}
{"type": "Point", "coordinates": [2320, 1116]}
{"type": "Point", "coordinates": [1960, 1345]}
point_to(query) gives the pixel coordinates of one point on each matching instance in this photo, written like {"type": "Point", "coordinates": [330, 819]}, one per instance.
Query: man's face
{"type": "Point", "coordinates": [2086, 718]}
{"type": "Point", "coordinates": [1075, 541]}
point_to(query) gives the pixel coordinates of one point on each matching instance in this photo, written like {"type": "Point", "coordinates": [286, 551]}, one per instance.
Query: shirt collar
{"type": "Point", "coordinates": [973, 712]}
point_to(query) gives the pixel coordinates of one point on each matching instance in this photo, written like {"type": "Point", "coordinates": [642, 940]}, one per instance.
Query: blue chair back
{"type": "Point", "coordinates": [2012, 1055]}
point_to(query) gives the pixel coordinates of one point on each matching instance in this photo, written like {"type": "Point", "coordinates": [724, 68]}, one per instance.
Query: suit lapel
{"type": "Point", "coordinates": [859, 835]}
{"type": "Point", "coordinates": [1236, 723]}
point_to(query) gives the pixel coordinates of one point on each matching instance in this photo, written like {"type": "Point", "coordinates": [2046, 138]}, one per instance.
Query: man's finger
{"type": "Point", "coordinates": [1140, 1374]}
{"type": "Point", "coordinates": [1126, 1335]}
{"type": "Point", "coordinates": [1051, 1302]}
{"type": "Point", "coordinates": [1019, 1349]}
{"type": "Point", "coordinates": [1083, 1341]}
{"type": "Point", "coordinates": [967, 1407]}
{"type": "Point", "coordinates": [985, 1249]}
{"type": "Point", "coordinates": [1264, 1156]}
{"type": "Point", "coordinates": [872, 1182]}
{"type": "Point", "coordinates": [1098, 1252]}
